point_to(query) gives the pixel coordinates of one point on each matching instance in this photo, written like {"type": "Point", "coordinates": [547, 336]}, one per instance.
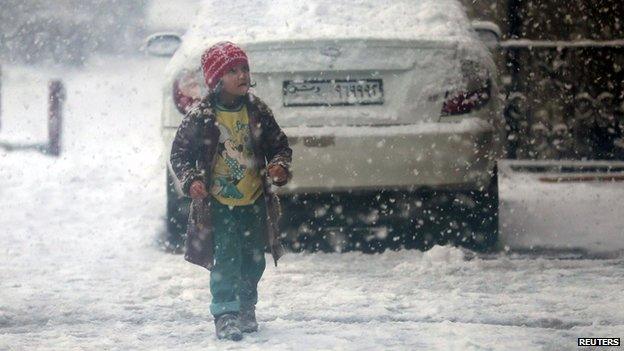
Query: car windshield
{"type": "Point", "coordinates": [263, 20]}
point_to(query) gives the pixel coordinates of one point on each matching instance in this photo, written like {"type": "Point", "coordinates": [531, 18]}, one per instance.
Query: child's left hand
{"type": "Point", "coordinates": [278, 174]}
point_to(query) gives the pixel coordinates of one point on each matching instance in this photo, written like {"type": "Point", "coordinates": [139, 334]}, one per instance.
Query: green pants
{"type": "Point", "coordinates": [239, 235]}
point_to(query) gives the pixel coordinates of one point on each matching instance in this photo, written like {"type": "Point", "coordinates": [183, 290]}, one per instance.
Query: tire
{"type": "Point", "coordinates": [467, 219]}
{"type": "Point", "coordinates": [485, 220]}
{"type": "Point", "coordinates": [177, 218]}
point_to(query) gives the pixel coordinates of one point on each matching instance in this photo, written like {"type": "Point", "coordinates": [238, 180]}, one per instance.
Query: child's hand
{"type": "Point", "coordinates": [278, 174]}
{"type": "Point", "coordinates": [198, 190]}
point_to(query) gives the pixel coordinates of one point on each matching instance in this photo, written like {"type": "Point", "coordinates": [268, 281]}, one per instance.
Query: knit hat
{"type": "Point", "coordinates": [218, 59]}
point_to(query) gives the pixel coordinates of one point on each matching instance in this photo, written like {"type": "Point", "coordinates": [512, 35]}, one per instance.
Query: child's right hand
{"type": "Point", "coordinates": [198, 190]}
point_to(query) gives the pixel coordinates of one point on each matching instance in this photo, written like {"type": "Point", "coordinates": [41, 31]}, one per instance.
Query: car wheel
{"type": "Point", "coordinates": [468, 219]}
{"type": "Point", "coordinates": [485, 218]}
{"type": "Point", "coordinates": [177, 217]}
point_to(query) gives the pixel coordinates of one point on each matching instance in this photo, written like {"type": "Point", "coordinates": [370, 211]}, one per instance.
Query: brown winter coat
{"type": "Point", "coordinates": [192, 156]}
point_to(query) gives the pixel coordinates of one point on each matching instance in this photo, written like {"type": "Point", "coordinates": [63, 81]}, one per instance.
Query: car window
{"type": "Point", "coordinates": [257, 20]}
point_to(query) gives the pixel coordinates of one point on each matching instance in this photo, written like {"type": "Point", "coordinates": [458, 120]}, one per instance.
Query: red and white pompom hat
{"type": "Point", "coordinates": [218, 59]}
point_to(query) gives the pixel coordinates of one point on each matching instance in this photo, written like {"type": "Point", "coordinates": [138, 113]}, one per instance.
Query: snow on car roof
{"type": "Point", "coordinates": [245, 21]}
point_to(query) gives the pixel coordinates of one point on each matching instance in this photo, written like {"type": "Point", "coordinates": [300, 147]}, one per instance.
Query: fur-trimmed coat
{"type": "Point", "coordinates": [192, 155]}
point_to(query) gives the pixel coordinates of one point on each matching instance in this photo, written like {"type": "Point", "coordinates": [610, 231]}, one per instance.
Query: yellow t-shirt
{"type": "Point", "coordinates": [235, 178]}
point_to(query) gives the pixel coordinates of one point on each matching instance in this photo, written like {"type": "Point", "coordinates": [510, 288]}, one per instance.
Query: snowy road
{"type": "Point", "coordinates": [80, 270]}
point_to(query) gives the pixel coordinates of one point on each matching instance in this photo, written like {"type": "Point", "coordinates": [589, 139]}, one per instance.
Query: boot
{"type": "Point", "coordinates": [227, 326]}
{"type": "Point", "coordinates": [248, 323]}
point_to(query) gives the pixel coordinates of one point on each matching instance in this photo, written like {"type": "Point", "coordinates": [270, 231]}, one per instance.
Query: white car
{"type": "Point", "coordinates": [391, 109]}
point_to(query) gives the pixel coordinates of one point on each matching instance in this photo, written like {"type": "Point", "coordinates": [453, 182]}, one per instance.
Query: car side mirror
{"type": "Point", "coordinates": [162, 44]}
{"type": "Point", "coordinates": [489, 33]}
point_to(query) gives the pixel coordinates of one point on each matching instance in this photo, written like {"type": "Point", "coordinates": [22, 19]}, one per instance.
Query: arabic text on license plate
{"type": "Point", "coordinates": [333, 92]}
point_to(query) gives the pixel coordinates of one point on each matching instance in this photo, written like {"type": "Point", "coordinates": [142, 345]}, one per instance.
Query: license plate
{"type": "Point", "coordinates": [337, 92]}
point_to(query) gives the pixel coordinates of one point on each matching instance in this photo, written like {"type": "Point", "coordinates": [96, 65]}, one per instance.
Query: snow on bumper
{"type": "Point", "coordinates": [433, 155]}
{"type": "Point", "coordinates": [425, 155]}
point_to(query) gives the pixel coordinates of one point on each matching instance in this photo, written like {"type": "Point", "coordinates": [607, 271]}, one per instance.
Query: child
{"type": "Point", "coordinates": [221, 153]}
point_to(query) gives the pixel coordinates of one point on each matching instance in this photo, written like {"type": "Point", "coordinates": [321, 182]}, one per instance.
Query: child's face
{"type": "Point", "coordinates": [236, 80]}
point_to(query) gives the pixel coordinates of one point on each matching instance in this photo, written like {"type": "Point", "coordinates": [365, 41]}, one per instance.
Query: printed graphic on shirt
{"type": "Point", "coordinates": [236, 179]}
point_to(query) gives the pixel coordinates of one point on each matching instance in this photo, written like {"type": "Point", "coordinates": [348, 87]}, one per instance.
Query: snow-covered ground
{"type": "Point", "coordinates": [568, 215]}
{"type": "Point", "coordinates": [80, 269]}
